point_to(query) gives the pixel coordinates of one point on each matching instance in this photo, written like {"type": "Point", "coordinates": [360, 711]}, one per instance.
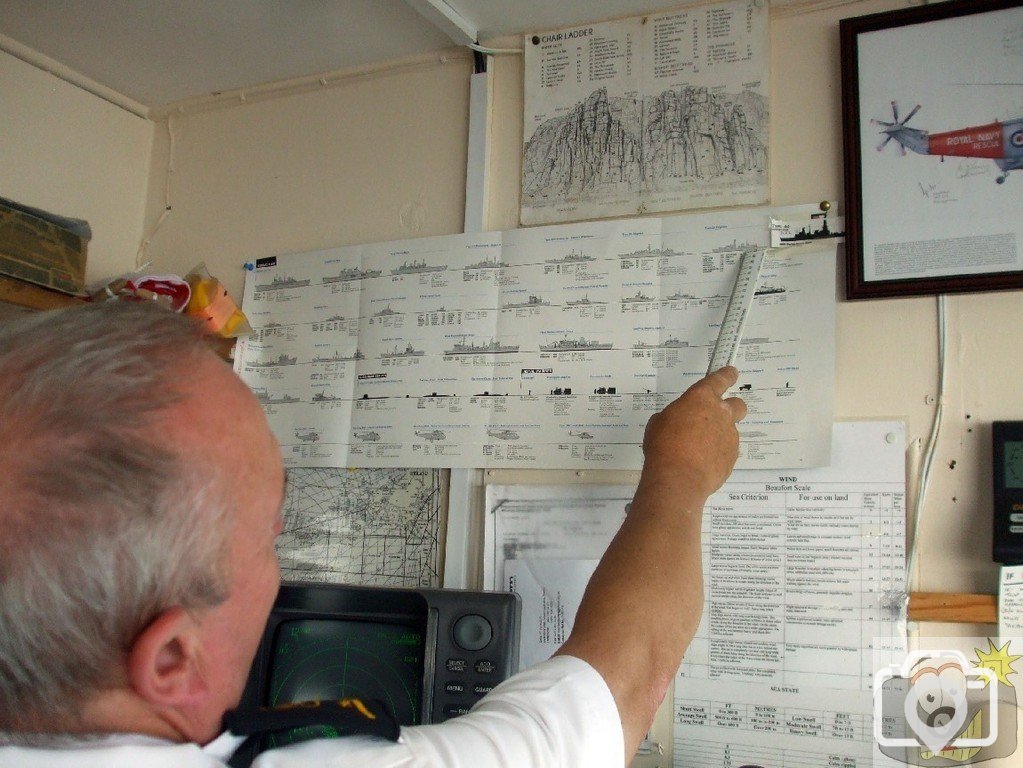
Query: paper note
{"type": "Point", "coordinates": [1010, 601]}
{"type": "Point", "coordinates": [551, 591]}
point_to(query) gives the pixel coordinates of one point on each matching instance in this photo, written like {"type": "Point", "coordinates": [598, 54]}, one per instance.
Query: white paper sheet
{"type": "Point", "coordinates": [725, 723]}
{"type": "Point", "coordinates": [1010, 601]}
{"type": "Point", "coordinates": [656, 113]}
{"type": "Point", "coordinates": [574, 522]}
{"type": "Point", "coordinates": [803, 570]}
{"type": "Point", "coordinates": [551, 591]}
{"type": "Point", "coordinates": [540, 348]}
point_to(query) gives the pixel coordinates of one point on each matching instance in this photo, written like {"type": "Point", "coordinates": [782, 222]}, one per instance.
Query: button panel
{"type": "Point", "coordinates": [476, 678]}
{"type": "Point", "coordinates": [477, 674]}
{"type": "Point", "coordinates": [477, 642]}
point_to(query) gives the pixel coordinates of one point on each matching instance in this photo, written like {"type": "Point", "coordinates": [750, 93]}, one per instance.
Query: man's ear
{"type": "Point", "coordinates": [164, 666]}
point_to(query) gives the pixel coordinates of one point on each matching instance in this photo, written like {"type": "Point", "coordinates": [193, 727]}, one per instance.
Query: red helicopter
{"type": "Point", "coordinates": [998, 141]}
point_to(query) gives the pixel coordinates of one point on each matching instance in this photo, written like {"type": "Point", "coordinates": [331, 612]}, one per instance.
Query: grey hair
{"type": "Point", "coordinates": [103, 527]}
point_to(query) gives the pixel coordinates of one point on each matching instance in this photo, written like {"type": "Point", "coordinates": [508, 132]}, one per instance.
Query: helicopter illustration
{"type": "Point", "coordinates": [503, 434]}
{"type": "Point", "coordinates": [1001, 142]}
{"type": "Point", "coordinates": [581, 435]}
{"type": "Point", "coordinates": [435, 434]}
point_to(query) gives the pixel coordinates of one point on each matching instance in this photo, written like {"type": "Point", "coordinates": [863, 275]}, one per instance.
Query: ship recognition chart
{"type": "Point", "coordinates": [545, 347]}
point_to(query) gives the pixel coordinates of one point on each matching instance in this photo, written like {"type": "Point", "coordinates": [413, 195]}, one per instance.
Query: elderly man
{"type": "Point", "coordinates": [140, 495]}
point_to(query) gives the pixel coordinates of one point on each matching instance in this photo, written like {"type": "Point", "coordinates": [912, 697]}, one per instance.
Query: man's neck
{"type": "Point", "coordinates": [122, 711]}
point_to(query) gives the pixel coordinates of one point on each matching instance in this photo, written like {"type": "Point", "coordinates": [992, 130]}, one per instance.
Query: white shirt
{"type": "Point", "coordinates": [556, 714]}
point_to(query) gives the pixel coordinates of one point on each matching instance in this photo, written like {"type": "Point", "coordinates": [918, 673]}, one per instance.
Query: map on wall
{"type": "Point", "coordinates": [362, 526]}
{"type": "Point", "coordinates": [659, 113]}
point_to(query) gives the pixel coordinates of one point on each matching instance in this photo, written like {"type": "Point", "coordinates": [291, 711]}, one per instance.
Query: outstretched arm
{"type": "Point", "coordinates": [643, 603]}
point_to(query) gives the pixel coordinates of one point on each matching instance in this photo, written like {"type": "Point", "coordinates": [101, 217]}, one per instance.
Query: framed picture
{"type": "Point", "coordinates": [932, 102]}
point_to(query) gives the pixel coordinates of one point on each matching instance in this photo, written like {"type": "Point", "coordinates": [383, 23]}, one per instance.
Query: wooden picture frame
{"type": "Point", "coordinates": [939, 210]}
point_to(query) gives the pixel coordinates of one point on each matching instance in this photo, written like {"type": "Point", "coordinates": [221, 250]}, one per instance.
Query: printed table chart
{"type": "Point", "coordinates": [799, 582]}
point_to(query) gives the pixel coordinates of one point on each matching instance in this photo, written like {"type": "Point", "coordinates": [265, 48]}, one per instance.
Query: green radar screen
{"type": "Point", "coordinates": [327, 660]}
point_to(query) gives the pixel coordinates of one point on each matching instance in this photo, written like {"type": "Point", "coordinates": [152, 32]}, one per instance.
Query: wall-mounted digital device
{"type": "Point", "coordinates": [430, 654]}
{"type": "Point", "coordinates": [1008, 491]}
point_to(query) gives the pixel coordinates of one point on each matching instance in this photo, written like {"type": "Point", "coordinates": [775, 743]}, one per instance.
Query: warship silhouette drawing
{"type": "Point", "coordinates": [416, 266]}
{"type": "Point", "coordinates": [367, 437]}
{"type": "Point", "coordinates": [485, 264]}
{"type": "Point", "coordinates": [648, 253]}
{"type": "Point", "coordinates": [337, 357]}
{"type": "Point", "coordinates": [766, 290]}
{"type": "Point", "coordinates": [638, 298]}
{"type": "Point", "coordinates": [735, 246]}
{"type": "Point", "coordinates": [490, 348]}
{"type": "Point", "coordinates": [307, 435]}
{"type": "Point", "coordinates": [809, 233]}
{"type": "Point", "coordinates": [323, 397]}
{"type": "Point", "coordinates": [280, 360]}
{"type": "Point", "coordinates": [532, 301]}
{"type": "Point", "coordinates": [349, 274]}
{"type": "Point", "coordinates": [669, 343]}
{"type": "Point", "coordinates": [409, 351]}
{"type": "Point", "coordinates": [279, 283]}
{"type": "Point", "coordinates": [679, 296]}
{"type": "Point", "coordinates": [268, 399]}
{"type": "Point", "coordinates": [585, 301]}
{"type": "Point", "coordinates": [581, 435]}
{"type": "Point", "coordinates": [573, 257]}
{"type": "Point", "coordinates": [575, 345]}
{"type": "Point", "coordinates": [385, 312]}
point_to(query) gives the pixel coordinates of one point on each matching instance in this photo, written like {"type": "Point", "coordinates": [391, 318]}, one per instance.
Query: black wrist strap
{"type": "Point", "coordinates": [316, 719]}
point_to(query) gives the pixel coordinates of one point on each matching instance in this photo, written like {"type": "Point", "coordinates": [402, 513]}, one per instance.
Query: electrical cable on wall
{"type": "Point", "coordinates": [144, 245]}
{"type": "Point", "coordinates": [496, 51]}
{"type": "Point", "coordinates": [928, 457]}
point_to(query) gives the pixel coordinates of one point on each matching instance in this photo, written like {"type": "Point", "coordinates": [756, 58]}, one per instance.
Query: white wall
{"type": "Point", "coordinates": [373, 158]}
{"type": "Point", "coordinates": [71, 153]}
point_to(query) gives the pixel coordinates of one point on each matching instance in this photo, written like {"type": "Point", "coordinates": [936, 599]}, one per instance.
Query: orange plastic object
{"type": "Point", "coordinates": [211, 304]}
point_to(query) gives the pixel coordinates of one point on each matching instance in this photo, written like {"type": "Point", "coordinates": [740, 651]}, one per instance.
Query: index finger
{"type": "Point", "coordinates": [721, 379]}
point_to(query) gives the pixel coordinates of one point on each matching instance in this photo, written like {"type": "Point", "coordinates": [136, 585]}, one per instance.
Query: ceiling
{"type": "Point", "coordinates": [158, 52]}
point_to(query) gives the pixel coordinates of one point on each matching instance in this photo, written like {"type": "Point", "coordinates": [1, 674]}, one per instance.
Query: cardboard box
{"type": "Point", "coordinates": [41, 251]}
